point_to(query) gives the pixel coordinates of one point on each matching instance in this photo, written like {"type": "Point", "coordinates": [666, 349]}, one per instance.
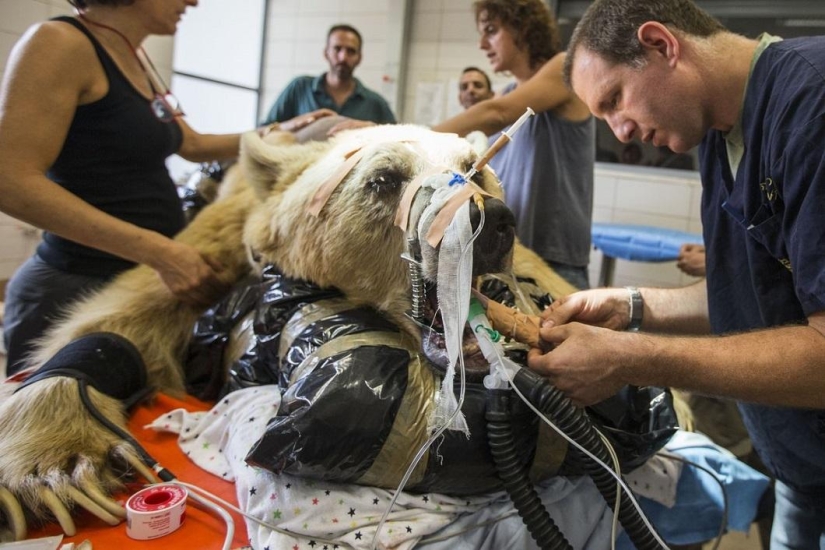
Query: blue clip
{"type": "Point", "coordinates": [457, 178]}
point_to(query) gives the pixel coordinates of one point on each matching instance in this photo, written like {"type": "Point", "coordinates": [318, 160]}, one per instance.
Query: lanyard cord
{"type": "Point", "coordinates": [162, 85]}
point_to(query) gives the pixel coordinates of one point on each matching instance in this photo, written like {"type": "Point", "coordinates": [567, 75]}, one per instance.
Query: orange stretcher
{"type": "Point", "coordinates": [202, 529]}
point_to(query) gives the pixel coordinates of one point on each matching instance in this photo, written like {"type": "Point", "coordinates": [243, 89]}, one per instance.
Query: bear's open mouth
{"type": "Point", "coordinates": [434, 345]}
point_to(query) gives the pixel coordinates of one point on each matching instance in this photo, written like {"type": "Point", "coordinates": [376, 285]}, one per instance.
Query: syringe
{"type": "Point", "coordinates": [502, 140]}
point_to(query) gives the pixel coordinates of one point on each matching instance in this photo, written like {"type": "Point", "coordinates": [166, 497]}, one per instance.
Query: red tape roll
{"type": "Point", "coordinates": [155, 511]}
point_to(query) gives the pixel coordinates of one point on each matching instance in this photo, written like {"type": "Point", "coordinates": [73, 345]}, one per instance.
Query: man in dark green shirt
{"type": "Point", "coordinates": [336, 89]}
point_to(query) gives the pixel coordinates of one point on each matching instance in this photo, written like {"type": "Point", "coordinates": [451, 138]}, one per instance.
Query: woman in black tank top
{"type": "Point", "coordinates": [87, 125]}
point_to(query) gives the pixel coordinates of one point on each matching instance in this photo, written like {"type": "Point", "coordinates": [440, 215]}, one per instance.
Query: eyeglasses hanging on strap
{"type": "Point", "coordinates": [164, 105]}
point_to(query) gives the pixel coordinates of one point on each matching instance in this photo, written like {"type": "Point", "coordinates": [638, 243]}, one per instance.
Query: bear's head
{"type": "Point", "coordinates": [357, 211]}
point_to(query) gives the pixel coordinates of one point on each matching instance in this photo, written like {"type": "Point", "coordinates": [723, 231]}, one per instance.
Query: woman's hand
{"type": "Point", "coordinates": [190, 276]}
{"type": "Point", "coordinates": [301, 121]}
{"type": "Point", "coordinates": [350, 124]}
{"type": "Point", "coordinates": [296, 123]}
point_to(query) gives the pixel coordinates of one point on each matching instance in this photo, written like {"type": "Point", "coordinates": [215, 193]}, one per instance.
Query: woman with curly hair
{"type": "Point", "coordinates": [547, 170]}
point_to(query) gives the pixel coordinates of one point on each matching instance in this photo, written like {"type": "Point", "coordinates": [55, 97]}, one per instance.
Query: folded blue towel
{"type": "Point", "coordinates": [640, 242]}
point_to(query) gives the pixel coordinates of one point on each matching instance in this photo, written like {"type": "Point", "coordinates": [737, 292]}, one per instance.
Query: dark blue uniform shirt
{"type": "Point", "coordinates": [765, 231]}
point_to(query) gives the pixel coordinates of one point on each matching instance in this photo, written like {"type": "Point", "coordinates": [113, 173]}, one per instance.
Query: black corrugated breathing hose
{"type": "Point", "coordinates": [514, 474]}
{"type": "Point", "coordinates": [575, 423]}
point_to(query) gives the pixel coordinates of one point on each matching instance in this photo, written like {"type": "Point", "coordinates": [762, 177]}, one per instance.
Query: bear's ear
{"type": "Point", "coordinates": [276, 160]}
{"type": "Point", "coordinates": [479, 141]}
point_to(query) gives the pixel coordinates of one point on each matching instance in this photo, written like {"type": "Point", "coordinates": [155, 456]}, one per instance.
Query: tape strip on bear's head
{"type": "Point", "coordinates": [106, 361]}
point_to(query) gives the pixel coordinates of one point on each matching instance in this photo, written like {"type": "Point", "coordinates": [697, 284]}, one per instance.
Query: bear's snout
{"type": "Point", "coordinates": [491, 250]}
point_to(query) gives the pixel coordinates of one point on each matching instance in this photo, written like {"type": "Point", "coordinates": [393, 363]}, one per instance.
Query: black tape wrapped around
{"type": "Point", "coordinates": [106, 361]}
{"type": "Point", "coordinates": [465, 466]}
{"type": "Point", "coordinates": [272, 300]}
{"type": "Point", "coordinates": [354, 320]}
{"type": "Point", "coordinates": [281, 299]}
{"type": "Point", "coordinates": [204, 377]}
{"type": "Point", "coordinates": [638, 420]}
{"type": "Point", "coordinates": [357, 396]}
{"type": "Point", "coordinates": [334, 421]}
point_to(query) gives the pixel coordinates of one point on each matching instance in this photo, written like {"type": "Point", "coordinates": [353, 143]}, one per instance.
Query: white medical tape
{"type": "Point", "coordinates": [324, 192]}
{"type": "Point", "coordinates": [155, 511]}
{"type": "Point", "coordinates": [402, 214]}
{"type": "Point", "coordinates": [445, 216]}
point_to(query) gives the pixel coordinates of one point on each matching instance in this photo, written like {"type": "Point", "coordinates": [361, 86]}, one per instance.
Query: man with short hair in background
{"type": "Point", "coordinates": [337, 89]}
{"type": "Point", "coordinates": [474, 86]}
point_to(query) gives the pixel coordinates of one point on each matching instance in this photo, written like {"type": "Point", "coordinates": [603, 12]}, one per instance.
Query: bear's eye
{"type": "Point", "coordinates": [385, 181]}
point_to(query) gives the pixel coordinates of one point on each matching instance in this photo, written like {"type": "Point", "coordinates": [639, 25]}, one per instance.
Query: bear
{"type": "Point", "coordinates": [56, 457]}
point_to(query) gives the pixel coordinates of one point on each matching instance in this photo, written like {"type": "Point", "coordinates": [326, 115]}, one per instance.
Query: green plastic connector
{"type": "Point", "coordinates": [476, 309]}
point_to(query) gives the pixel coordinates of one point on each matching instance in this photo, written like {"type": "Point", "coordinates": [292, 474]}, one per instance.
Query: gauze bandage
{"type": "Point", "coordinates": [455, 264]}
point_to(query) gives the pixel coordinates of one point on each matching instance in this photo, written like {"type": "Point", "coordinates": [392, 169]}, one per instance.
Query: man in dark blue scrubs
{"type": "Point", "coordinates": [667, 73]}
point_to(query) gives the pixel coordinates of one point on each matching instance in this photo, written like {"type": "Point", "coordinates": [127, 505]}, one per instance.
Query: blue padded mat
{"type": "Point", "coordinates": [640, 242]}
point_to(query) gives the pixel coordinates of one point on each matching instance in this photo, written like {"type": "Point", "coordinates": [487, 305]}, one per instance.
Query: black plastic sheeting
{"type": "Point", "coordinates": [350, 409]}
{"type": "Point", "coordinates": [200, 187]}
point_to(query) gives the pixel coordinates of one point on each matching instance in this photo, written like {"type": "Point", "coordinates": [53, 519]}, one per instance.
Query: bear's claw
{"type": "Point", "coordinates": [96, 495]}
{"type": "Point", "coordinates": [14, 514]}
{"type": "Point", "coordinates": [72, 462]}
{"type": "Point", "coordinates": [59, 511]}
{"type": "Point", "coordinates": [85, 494]}
{"type": "Point", "coordinates": [84, 501]}
{"type": "Point", "coordinates": [139, 466]}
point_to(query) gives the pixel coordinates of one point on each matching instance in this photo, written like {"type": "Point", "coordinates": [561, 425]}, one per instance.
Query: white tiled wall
{"type": "Point", "coordinates": [646, 196]}
{"type": "Point", "coordinates": [443, 41]}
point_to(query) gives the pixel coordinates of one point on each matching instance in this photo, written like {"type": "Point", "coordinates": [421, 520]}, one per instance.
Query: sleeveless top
{"type": "Point", "coordinates": [547, 174]}
{"type": "Point", "coordinates": [114, 158]}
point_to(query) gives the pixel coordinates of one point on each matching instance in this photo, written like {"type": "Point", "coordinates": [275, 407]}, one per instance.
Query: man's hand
{"type": "Point", "coordinates": [581, 332]}
{"type": "Point", "coordinates": [585, 362]}
{"type": "Point", "coordinates": [602, 307]}
{"type": "Point", "coordinates": [691, 259]}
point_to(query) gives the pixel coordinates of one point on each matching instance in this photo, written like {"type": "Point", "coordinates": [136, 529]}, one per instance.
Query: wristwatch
{"type": "Point", "coordinates": [637, 308]}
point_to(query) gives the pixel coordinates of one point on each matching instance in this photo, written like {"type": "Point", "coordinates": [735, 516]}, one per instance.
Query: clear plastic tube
{"type": "Point", "coordinates": [502, 140]}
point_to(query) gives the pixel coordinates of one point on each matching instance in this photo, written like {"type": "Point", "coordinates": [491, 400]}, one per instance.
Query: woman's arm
{"type": "Point", "coordinates": [544, 91]}
{"type": "Point", "coordinates": [197, 147]}
{"type": "Point", "coordinates": [207, 147]}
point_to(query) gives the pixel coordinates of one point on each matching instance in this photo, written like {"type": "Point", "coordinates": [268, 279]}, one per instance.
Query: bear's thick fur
{"type": "Point", "coordinates": [56, 456]}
